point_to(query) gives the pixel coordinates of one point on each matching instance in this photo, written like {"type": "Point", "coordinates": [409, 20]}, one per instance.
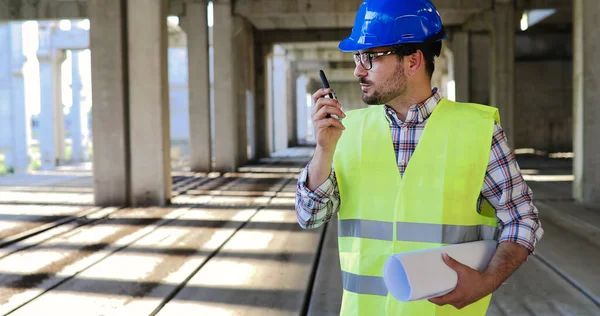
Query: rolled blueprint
{"type": "Point", "coordinates": [423, 274]}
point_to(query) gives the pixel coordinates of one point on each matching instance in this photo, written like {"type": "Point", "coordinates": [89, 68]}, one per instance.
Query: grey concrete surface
{"type": "Point", "coordinates": [326, 298]}
{"type": "Point", "coordinates": [18, 219]}
{"type": "Point", "coordinates": [231, 245]}
{"type": "Point", "coordinates": [29, 273]}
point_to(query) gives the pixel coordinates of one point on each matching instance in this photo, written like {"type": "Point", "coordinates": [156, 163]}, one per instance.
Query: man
{"type": "Point", "coordinates": [415, 171]}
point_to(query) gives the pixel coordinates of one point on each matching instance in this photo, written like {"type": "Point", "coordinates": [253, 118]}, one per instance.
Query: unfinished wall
{"type": "Point", "coordinates": [544, 105]}
{"type": "Point", "coordinates": [543, 83]}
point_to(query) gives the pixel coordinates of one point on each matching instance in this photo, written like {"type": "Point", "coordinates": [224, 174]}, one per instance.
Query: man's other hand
{"type": "Point", "coordinates": [471, 287]}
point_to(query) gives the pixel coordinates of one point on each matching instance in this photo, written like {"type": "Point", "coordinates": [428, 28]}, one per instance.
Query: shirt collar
{"type": "Point", "coordinates": [417, 113]}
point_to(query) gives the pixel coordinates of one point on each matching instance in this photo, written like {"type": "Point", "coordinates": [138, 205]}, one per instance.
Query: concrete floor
{"type": "Point", "coordinates": [230, 244]}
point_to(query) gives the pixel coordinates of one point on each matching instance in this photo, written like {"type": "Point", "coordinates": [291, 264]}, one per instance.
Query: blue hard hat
{"type": "Point", "coordinates": [392, 22]}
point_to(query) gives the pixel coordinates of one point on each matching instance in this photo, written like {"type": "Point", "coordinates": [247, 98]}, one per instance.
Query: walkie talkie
{"type": "Point", "coordinates": [331, 93]}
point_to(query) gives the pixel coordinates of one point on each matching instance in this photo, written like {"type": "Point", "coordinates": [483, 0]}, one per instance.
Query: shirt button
{"type": "Point", "coordinates": [402, 162]}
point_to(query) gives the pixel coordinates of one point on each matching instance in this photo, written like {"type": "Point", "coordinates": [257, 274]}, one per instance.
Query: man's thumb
{"type": "Point", "coordinates": [455, 265]}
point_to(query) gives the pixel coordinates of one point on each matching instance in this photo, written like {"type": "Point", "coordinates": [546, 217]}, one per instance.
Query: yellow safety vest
{"type": "Point", "coordinates": [432, 205]}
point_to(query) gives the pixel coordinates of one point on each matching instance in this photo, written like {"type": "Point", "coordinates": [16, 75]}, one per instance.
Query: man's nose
{"type": "Point", "coordinates": [360, 71]}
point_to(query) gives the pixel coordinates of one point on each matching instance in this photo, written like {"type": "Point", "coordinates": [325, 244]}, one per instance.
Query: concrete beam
{"type": "Point", "coordinates": [318, 55]}
{"type": "Point", "coordinates": [298, 36]}
{"type": "Point", "coordinates": [267, 8]}
{"type": "Point", "coordinates": [302, 14]}
{"type": "Point", "coordinates": [63, 9]}
{"type": "Point", "coordinates": [543, 4]}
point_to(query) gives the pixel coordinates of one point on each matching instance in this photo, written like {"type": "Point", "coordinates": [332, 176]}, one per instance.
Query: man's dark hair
{"type": "Point", "coordinates": [430, 51]}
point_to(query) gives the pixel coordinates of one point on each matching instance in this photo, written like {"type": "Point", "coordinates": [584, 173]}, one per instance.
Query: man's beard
{"type": "Point", "coordinates": [390, 90]}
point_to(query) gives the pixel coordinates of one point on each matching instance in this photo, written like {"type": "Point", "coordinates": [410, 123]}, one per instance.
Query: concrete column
{"type": "Point", "coordinates": [76, 113]}
{"type": "Point", "coordinates": [233, 86]}
{"type": "Point", "coordinates": [291, 77]}
{"type": "Point", "coordinates": [302, 113]}
{"type": "Point", "coordinates": [586, 113]}
{"type": "Point", "coordinates": [6, 129]}
{"type": "Point", "coordinates": [245, 85]}
{"type": "Point", "coordinates": [269, 130]}
{"type": "Point", "coordinates": [502, 62]}
{"type": "Point", "coordinates": [262, 114]}
{"type": "Point", "coordinates": [280, 100]}
{"type": "Point", "coordinates": [195, 24]}
{"type": "Point", "coordinates": [110, 111]}
{"type": "Point", "coordinates": [21, 119]}
{"type": "Point", "coordinates": [52, 127]}
{"type": "Point", "coordinates": [224, 89]}
{"type": "Point", "coordinates": [149, 102]}
{"type": "Point", "coordinates": [461, 61]}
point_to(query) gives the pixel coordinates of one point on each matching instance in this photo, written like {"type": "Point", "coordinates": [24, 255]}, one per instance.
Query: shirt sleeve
{"type": "Point", "coordinates": [506, 190]}
{"type": "Point", "coordinates": [314, 208]}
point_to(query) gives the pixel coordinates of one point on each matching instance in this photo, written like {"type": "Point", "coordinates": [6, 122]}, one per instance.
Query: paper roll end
{"type": "Point", "coordinates": [396, 280]}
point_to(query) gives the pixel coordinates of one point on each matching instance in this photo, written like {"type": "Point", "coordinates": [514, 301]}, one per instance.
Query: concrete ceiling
{"type": "Point", "coordinates": [283, 14]}
{"type": "Point", "coordinates": [305, 14]}
{"type": "Point", "coordinates": [321, 14]}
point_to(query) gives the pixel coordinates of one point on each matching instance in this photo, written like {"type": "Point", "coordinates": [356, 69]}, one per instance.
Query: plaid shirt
{"type": "Point", "coordinates": [504, 187]}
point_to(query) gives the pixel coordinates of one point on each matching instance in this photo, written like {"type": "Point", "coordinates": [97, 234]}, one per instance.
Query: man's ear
{"type": "Point", "coordinates": [414, 62]}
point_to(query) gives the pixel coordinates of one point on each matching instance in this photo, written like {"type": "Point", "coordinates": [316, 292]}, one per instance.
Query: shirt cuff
{"type": "Point", "coordinates": [320, 194]}
{"type": "Point", "coordinates": [525, 233]}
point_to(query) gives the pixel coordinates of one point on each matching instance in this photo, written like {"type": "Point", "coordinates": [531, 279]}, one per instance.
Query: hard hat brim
{"type": "Point", "coordinates": [349, 45]}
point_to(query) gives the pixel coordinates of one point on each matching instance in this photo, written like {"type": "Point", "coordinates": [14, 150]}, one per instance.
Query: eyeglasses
{"type": "Point", "coordinates": [366, 59]}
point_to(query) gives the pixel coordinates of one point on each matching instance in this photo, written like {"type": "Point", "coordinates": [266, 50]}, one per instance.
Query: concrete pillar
{"type": "Point", "coordinates": [195, 24]}
{"type": "Point", "coordinates": [280, 100]}
{"type": "Point", "coordinates": [149, 102]}
{"type": "Point", "coordinates": [586, 114]}
{"type": "Point", "coordinates": [21, 118]}
{"type": "Point", "coordinates": [52, 124]}
{"type": "Point", "coordinates": [291, 77]}
{"type": "Point", "coordinates": [224, 88]}
{"type": "Point", "coordinates": [246, 88]}
{"type": "Point", "coordinates": [263, 133]}
{"type": "Point", "coordinates": [502, 62]}
{"type": "Point", "coordinates": [76, 112]}
{"type": "Point", "coordinates": [233, 86]}
{"type": "Point", "coordinates": [269, 135]}
{"type": "Point", "coordinates": [302, 113]}
{"type": "Point", "coordinates": [6, 130]}
{"type": "Point", "coordinates": [110, 111]}
{"type": "Point", "coordinates": [461, 62]}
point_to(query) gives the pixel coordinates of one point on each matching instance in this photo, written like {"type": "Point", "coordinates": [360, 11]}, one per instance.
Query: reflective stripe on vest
{"type": "Point", "coordinates": [366, 229]}
{"type": "Point", "coordinates": [363, 284]}
{"type": "Point", "coordinates": [419, 232]}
